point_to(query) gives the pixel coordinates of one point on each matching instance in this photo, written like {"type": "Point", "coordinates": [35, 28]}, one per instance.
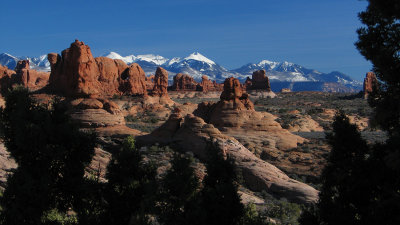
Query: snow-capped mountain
{"type": "Point", "coordinates": [39, 63]}
{"type": "Point", "coordinates": [283, 74]}
{"type": "Point", "coordinates": [290, 72]}
{"type": "Point", "coordinates": [8, 60]}
{"type": "Point", "coordinates": [195, 64]}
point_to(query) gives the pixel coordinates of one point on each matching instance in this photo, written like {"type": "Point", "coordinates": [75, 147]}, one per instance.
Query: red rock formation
{"type": "Point", "coordinates": [184, 82]}
{"type": "Point", "coordinates": [22, 64]}
{"type": "Point", "coordinates": [31, 79]}
{"type": "Point", "coordinates": [22, 75]}
{"type": "Point", "coordinates": [192, 133]}
{"type": "Point", "coordinates": [160, 83]}
{"type": "Point", "coordinates": [208, 85]}
{"type": "Point", "coordinates": [150, 83]}
{"type": "Point", "coordinates": [234, 96]}
{"type": "Point", "coordinates": [133, 81]}
{"type": "Point", "coordinates": [370, 83]}
{"type": "Point", "coordinates": [259, 81]}
{"type": "Point", "coordinates": [77, 73]}
{"type": "Point", "coordinates": [7, 78]}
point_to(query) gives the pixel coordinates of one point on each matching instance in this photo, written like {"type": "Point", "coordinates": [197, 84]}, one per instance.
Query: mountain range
{"type": "Point", "coordinates": [281, 74]}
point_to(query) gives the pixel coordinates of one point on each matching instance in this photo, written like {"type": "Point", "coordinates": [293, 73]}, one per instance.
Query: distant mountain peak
{"type": "Point", "coordinates": [199, 57]}
{"type": "Point", "coordinates": [113, 55]}
{"type": "Point", "coordinates": [197, 65]}
{"type": "Point", "coordinates": [156, 59]}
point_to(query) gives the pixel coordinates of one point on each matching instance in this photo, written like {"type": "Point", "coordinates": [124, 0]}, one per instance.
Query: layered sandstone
{"type": "Point", "coordinates": [159, 94]}
{"type": "Point", "coordinates": [259, 81]}
{"type": "Point", "coordinates": [303, 123]}
{"type": "Point", "coordinates": [370, 83]}
{"type": "Point", "coordinates": [77, 73]}
{"type": "Point", "coordinates": [31, 79]}
{"type": "Point", "coordinates": [207, 85]}
{"type": "Point", "coordinates": [235, 116]}
{"type": "Point", "coordinates": [150, 83]}
{"type": "Point", "coordinates": [22, 75]}
{"type": "Point", "coordinates": [193, 134]}
{"type": "Point", "coordinates": [160, 83]}
{"type": "Point", "coordinates": [184, 82]}
{"type": "Point", "coordinates": [94, 113]}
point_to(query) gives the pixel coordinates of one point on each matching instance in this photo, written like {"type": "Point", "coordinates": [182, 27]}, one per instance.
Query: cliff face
{"type": "Point", "coordinates": [77, 73]}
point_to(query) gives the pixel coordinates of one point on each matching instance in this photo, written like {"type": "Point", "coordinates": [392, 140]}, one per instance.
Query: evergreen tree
{"type": "Point", "coordinates": [51, 154]}
{"type": "Point", "coordinates": [362, 185]}
{"type": "Point", "coordinates": [178, 192]}
{"type": "Point", "coordinates": [131, 187]}
{"type": "Point", "coordinates": [345, 179]}
{"type": "Point", "coordinates": [379, 42]}
{"type": "Point", "coordinates": [219, 200]}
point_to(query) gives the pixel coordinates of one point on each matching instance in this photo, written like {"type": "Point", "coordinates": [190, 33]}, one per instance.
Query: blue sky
{"type": "Point", "coordinates": [318, 34]}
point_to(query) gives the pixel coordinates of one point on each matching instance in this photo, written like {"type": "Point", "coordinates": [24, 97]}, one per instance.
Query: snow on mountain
{"type": "Point", "coordinates": [198, 65]}
{"type": "Point", "coordinates": [156, 59]}
{"type": "Point", "coordinates": [41, 63]}
{"type": "Point", "coordinates": [199, 57]}
{"type": "Point", "coordinates": [8, 60]}
{"type": "Point", "coordinates": [127, 59]}
{"type": "Point", "coordinates": [291, 72]}
{"type": "Point", "coordinates": [172, 61]}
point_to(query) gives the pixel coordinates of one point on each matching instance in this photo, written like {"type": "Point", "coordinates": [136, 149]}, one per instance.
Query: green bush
{"type": "Point", "coordinates": [55, 217]}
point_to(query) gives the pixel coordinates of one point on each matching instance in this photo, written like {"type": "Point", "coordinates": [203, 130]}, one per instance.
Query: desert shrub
{"type": "Point", "coordinates": [283, 110]}
{"type": "Point", "coordinates": [131, 119]}
{"type": "Point", "coordinates": [116, 96]}
{"type": "Point", "coordinates": [55, 217]}
{"type": "Point", "coordinates": [314, 111]}
{"type": "Point", "coordinates": [252, 216]}
{"type": "Point", "coordinates": [280, 209]}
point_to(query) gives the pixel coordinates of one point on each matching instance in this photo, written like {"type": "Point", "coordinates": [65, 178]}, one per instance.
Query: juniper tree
{"type": "Point", "coordinates": [131, 187]}
{"type": "Point", "coordinates": [363, 185]}
{"type": "Point", "coordinates": [178, 192]}
{"type": "Point", "coordinates": [51, 154]}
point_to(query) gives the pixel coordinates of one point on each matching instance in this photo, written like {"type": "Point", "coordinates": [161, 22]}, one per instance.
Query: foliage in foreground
{"type": "Point", "coordinates": [51, 154]}
{"type": "Point", "coordinates": [361, 183]}
{"type": "Point", "coordinates": [49, 186]}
